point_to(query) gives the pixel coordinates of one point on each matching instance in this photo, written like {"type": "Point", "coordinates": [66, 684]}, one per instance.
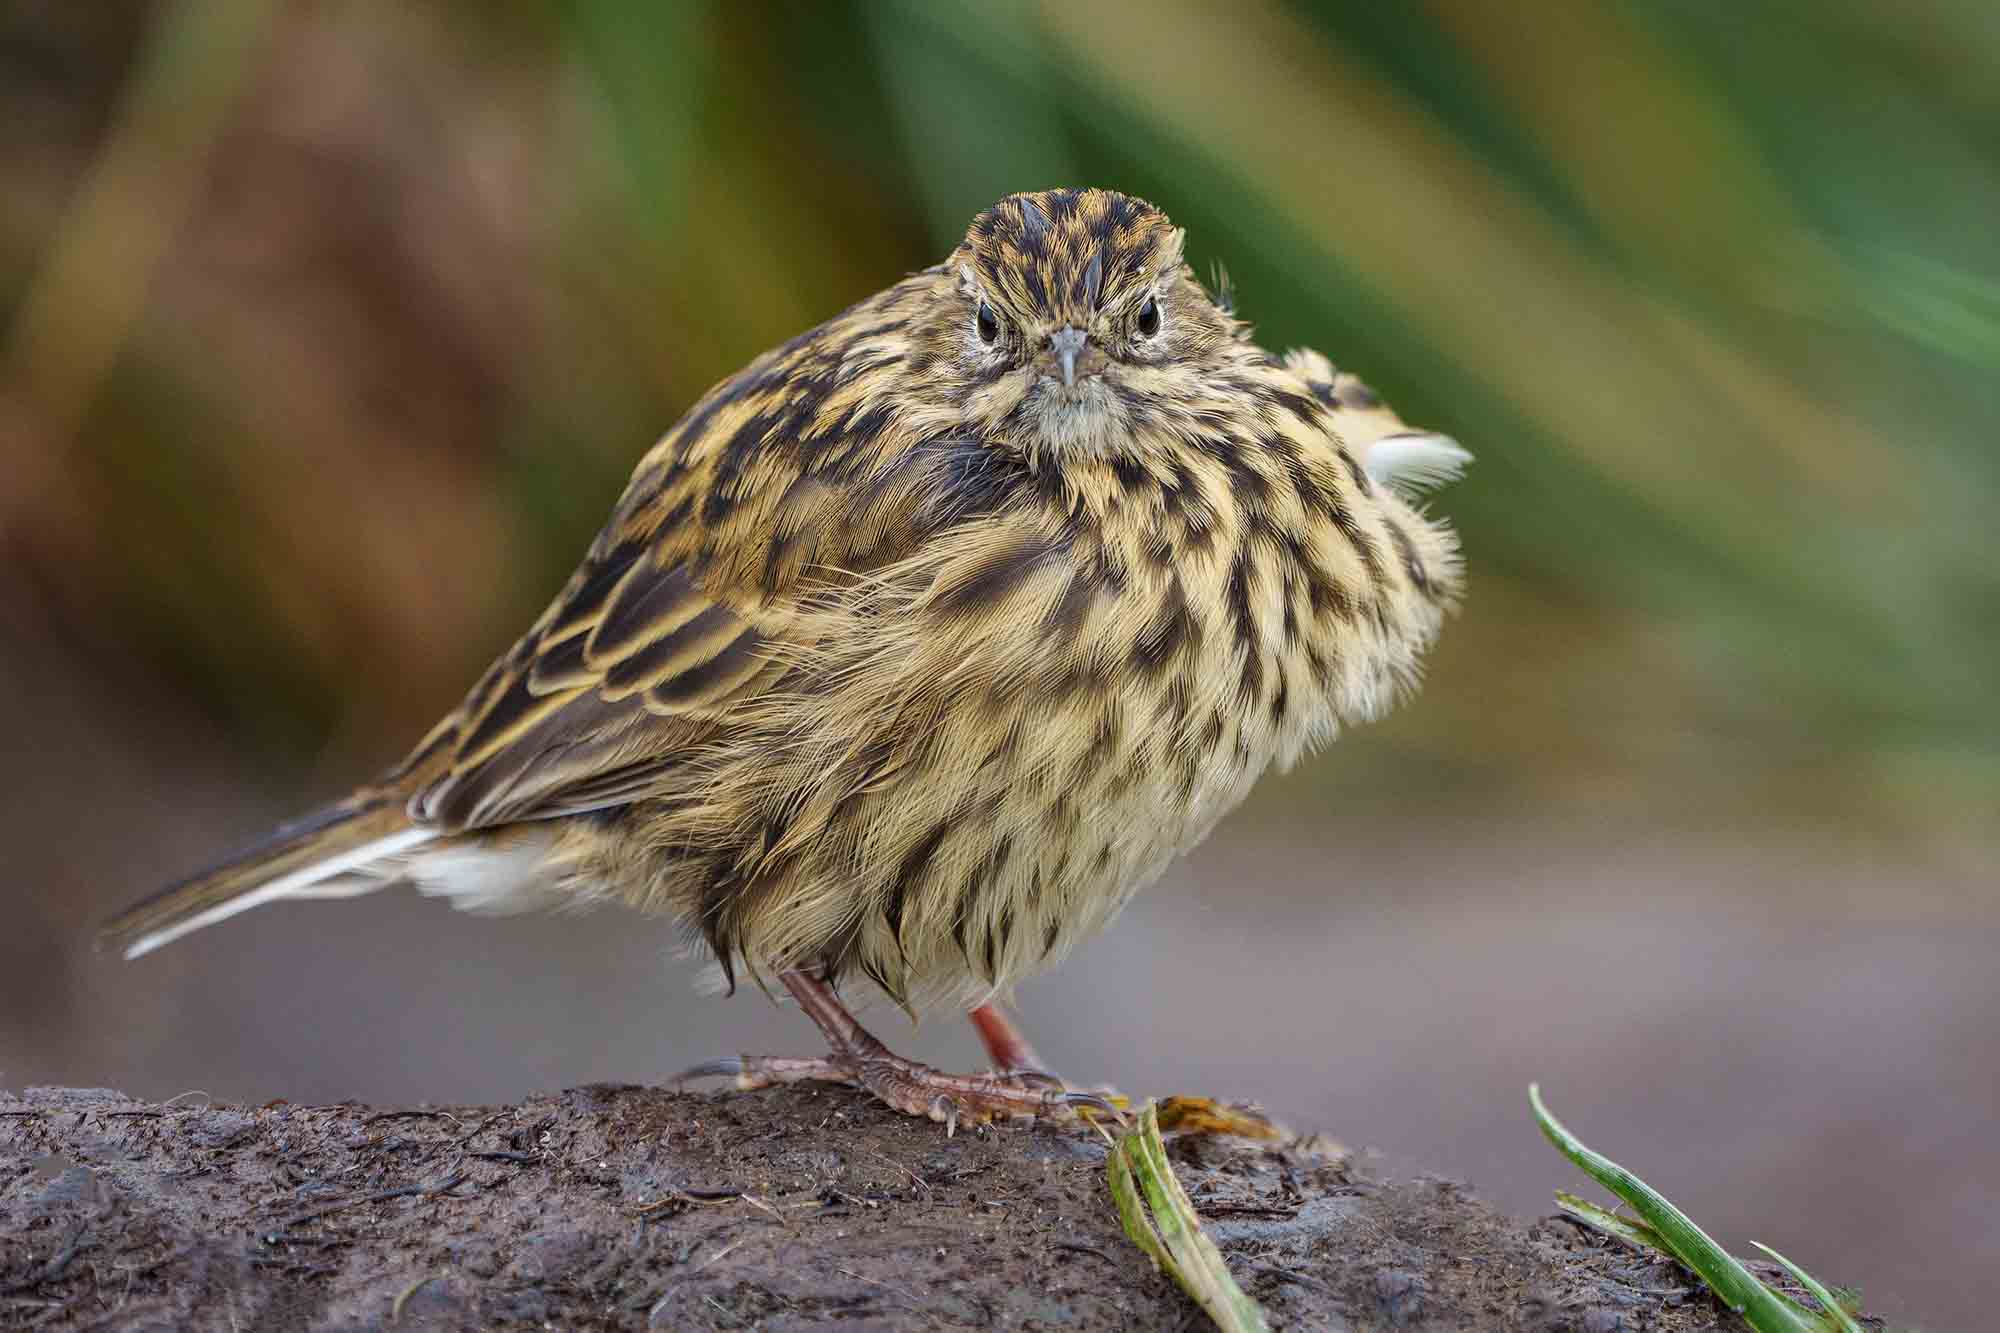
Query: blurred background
{"type": "Point", "coordinates": [329, 331]}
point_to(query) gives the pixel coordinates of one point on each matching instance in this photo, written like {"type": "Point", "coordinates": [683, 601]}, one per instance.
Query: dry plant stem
{"type": "Point", "coordinates": [858, 1057]}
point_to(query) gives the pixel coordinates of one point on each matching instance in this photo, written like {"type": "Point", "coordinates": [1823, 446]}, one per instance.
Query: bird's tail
{"type": "Point", "coordinates": [1406, 460]}
{"type": "Point", "coordinates": [345, 849]}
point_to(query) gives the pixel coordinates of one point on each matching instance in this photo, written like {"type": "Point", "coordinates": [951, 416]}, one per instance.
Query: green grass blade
{"type": "Point", "coordinates": [1836, 1318]}
{"type": "Point", "coordinates": [1766, 1311]}
{"type": "Point", "coordinates": [1132, 1214]}
{"type": "Point", "coordinates": [1167, 1228]}
{"type": "Point", "coordinates": [1632, 1233]}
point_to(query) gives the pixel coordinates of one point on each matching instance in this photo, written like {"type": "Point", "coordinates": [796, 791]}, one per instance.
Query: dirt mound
{"type": "Point", "coordinates": [623, 1207]}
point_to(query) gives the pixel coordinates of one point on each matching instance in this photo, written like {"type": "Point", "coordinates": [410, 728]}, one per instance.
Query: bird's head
{"type": "Point", "coordinates": [1072, 321]}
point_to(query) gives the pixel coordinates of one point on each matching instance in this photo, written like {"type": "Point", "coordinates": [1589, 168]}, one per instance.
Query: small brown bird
{"type": "Point", "coordinates": [922, 643]}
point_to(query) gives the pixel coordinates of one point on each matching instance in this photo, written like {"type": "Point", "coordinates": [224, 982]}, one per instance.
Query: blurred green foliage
{"type": "Point", "coordinates": [330, 331]}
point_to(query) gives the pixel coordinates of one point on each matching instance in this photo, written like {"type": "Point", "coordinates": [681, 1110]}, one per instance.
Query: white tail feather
{"type": "Point", "coordinates": [490, 878]}
{"type": "Point", "coordinates": [1416, 462]}
{"type": "Point", "coordinates": [298, 884]}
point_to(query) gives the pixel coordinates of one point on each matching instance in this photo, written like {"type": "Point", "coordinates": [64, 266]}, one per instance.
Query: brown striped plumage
{"type": "Point", "coordinates": [912, 651]}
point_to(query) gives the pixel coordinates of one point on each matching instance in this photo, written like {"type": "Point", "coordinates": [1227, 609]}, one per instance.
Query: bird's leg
{"type": "Point", "coordinates": [1013, 1056]}
{"type": "Point", "coordinates": [858, 1057]}
{"type": "Point", "coordinates": [1005, 1044]}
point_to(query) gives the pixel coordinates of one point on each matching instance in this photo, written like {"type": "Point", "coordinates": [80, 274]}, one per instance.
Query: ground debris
{"type": "Point", "coordinates": [626, 1207]}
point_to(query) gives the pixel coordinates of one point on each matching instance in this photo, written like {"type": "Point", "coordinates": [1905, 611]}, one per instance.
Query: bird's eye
{"type": "Point", "coordinates": [1149, 318]}
{"type": "Point", "coordinates": [989, 324]}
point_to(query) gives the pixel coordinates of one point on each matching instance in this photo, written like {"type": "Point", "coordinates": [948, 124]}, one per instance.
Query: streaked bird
{"type": "Point", "coordinates": [921, 644]}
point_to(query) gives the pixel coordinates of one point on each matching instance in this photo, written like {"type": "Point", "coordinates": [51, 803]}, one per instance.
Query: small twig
{"type": "Point", "coordinates": [904, 1292]}
{"type": "Point", "coordinates": [1207, 1209]}
{"type": "Point", "coordinates": [842, 1194]}
{"type": "Point", "coordinates": [764, 1205]}
{"type": "Point", "coordinates": [456, 1179]}
{"type": "Point", "coordinates": [915, 1179]}
{"type": "Point", "coordinates": [673, 1197]}
{"type": "Point", "coordinates": [403, 1296]}
{"type": "Point", "coordinates": [481, 1127]}
{"type": "Point", "coordinates": [1288, 1276]}
{"type": "Point", "coordinates": [519, 1158]}
{"type": "Point", "coordinates": [1076, 1247]}
{"type": "Point", "coordinates": [401, 1144]}
{"type": "Point", "coordinates": [721, 1254]}
{"type": "Point", "coordinates": [412, 1115]}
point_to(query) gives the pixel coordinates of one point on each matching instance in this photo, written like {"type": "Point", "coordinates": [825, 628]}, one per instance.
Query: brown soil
{"type": "Point", "coordinates": [622, 1207]}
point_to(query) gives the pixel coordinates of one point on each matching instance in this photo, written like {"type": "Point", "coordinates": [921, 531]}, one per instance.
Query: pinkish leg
{"type": "Point", "coordinates": [1005, 1045]}
{"type": "Point", "coordinates": [857, 1057]}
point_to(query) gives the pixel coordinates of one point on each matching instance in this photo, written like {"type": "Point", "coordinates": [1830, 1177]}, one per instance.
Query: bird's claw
{"type": "Point", "coordinates": [1077, 1100]}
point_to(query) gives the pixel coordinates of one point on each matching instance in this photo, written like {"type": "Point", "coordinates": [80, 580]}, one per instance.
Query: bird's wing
{"type": "Point", "coordinates": [700, 594]}
{"type": "Point", "coordinates": [632, 665]}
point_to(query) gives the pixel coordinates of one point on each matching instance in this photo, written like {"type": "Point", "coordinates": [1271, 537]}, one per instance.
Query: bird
{"type": "Point", "coordinates": [922, 643]}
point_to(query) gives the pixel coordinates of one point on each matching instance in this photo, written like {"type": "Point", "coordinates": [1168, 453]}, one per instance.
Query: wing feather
{"type": "Point", "coordinates": [647, 604]}
{"type": "Point", "coordinates": [672, 653]}
{"type": "Point", "coordinates": [557, 730]}
{"type": "Point", "coordinates": [694, 601]}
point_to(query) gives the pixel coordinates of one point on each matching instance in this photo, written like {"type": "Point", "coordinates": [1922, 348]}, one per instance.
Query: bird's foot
{"type": "Point", "coordinates": [860, 1059]}
{"type": "Point", "coordinates": [919, 1090]}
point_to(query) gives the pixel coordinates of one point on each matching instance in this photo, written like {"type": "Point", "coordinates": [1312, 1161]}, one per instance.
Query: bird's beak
{"type": "Point", "coordinates": [1066, 343]}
